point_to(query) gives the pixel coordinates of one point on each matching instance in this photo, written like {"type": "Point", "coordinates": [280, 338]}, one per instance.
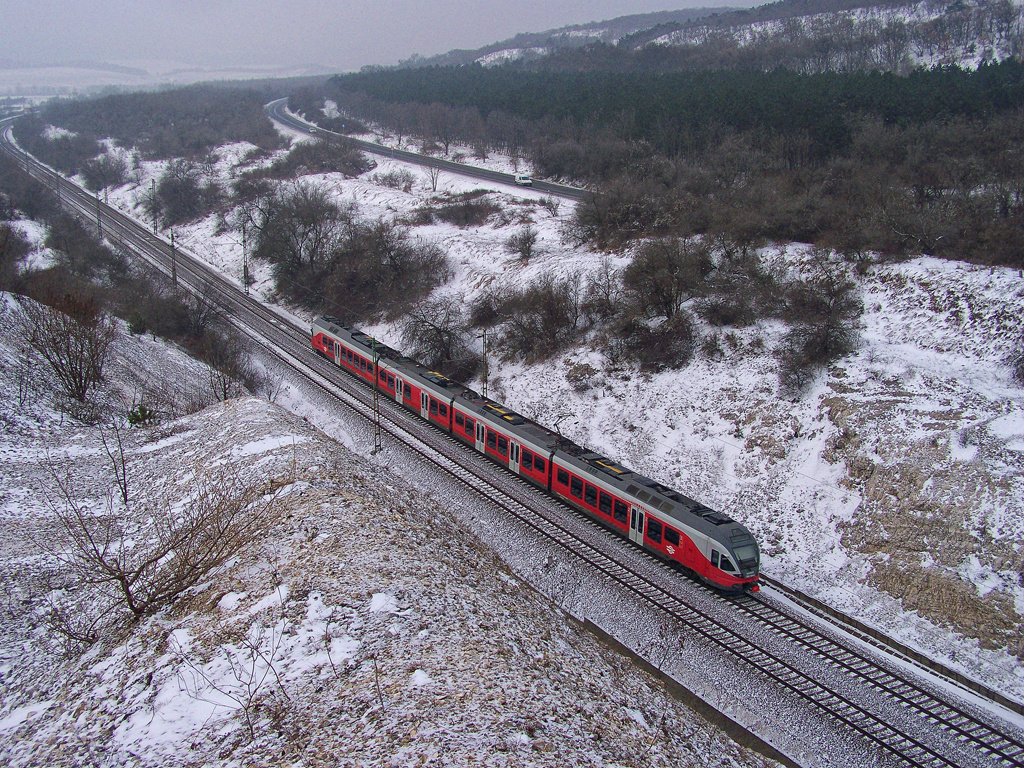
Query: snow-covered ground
{"type": "Point", "coordinates": [891, 490]}
{"type": "Point", "coordinates": [360, 627]}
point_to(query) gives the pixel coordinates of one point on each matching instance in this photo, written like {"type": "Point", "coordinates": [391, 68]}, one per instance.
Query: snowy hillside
{"type": "Point", "coordinates": [358, 626]}
{"type": "Point", "coordinates": [891, 490]}
{"type": "Point", "coordinates": [894, 37]}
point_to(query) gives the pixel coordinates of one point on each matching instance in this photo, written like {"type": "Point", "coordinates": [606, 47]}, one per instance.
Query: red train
{"type": "Point", "coordinates": [710, 544]}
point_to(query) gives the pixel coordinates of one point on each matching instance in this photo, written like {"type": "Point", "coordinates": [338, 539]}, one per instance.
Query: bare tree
{"type": "Point", "coordinates": [114, 448]}
{"type": "Point", "coordinates": [433, 172]}
{"type": "Point", "coordinates": [74, 336]}
{"type": "Point", "coordinates": [436, 332]}
{"type": "Point", "coordinates": [667, 271]}
{"type": "Point", "coordinates": [115, 564]}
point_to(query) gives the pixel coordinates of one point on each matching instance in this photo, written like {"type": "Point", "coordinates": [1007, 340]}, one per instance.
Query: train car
{"type": "Point", "coordinates": [673, 527]}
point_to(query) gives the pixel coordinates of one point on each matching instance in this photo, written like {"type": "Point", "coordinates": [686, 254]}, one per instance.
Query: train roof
{"type": "Point", "coordinates": [654, 495]}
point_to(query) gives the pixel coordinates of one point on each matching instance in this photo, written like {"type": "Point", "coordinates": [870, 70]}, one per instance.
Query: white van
{"type": "Point", "coordinates": [523, 180]}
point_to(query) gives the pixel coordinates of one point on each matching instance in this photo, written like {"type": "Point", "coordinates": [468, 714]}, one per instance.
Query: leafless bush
{"type": "Point", "coordinates": [251, 662]}
{"type": "Point", "coordinates": [541, 319]}
{"type": "Point", "coordinates": [552, 204]}
{"type": "Point", "coordinates": [401, 179]}
{"type": "Point", "coordinates": [231, 371]}
{"type": "Point", "coordinates": [104, 172]}
{"type": "Point", "coordinates": [665, 272]}
{"type": "Point", "coordinates": [468, 210]}
{"type": "Point", "coordinates": [119, 564]}
{"type": "Point", "coordinates": [823, 311]}
{"type": "Point", "coordinates": [74, 336]}
{"type": "Point", "coordinates": [523, 243]}
{"type": "Point", "coordinates": [603, 297]}
{"type": "Point", "coordinates": [668, 345]}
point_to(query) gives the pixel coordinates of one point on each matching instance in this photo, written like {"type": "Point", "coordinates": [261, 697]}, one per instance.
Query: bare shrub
{"type": "Point", "coordinates": [400, 179]}
{"type": "Point", "coordinates": [119, 564]}
{"type": "Point", "coordinates": [104, 172]}
{"type": "Point", "coordinates": [471, 209]}
{"type": "Point", "coordinates": [14, 247]}
{"type": "Point", "coordinates": [328, 155]}
{"type": "Point", "coordinates": [231, 372]}
{"type": "Point", "coordinates": [251, 660]}
{"type": "Point", "coordinates": [541, 319]}
{"type": "Point", "coordinates": [523, 243]}
{"type": "Point", "coordinates": [183, 195]}
{"type": "Point", "coordinates": [665, 272]}
{"type": "Point", "coordinates": [437, 334]}
{"type": "Point", "coordinates": [668, 345]}
{"type": "Point", "coordinates": [823, 311]}
{"type": "Point", "coordinates": [74, 336]}
{"type": "Point", "coordinates": [602, 299]}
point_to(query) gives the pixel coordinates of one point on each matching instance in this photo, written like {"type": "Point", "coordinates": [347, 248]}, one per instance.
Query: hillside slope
{"type": "Point", "coordinates": [362, 626]}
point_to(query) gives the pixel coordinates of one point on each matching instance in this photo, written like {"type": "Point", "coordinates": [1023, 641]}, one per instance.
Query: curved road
{"type": "Point", "coordinates": [278, 111]}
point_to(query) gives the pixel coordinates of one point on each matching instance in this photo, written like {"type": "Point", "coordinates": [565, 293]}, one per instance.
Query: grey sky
{"type": "Point", "coordinates": [345, 34]}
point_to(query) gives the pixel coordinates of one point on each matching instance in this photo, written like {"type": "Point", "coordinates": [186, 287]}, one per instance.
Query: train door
{"type": "Point", "coordinates": [636, 525]}
{"type": "Point", "coordinates": [424, 405]}
{"type": "Point", "coordinates": [513, 456]}
{"type": "Point", "coordinates": [481, 433]}
{"type": "Point", "coordinates": [399, 390]}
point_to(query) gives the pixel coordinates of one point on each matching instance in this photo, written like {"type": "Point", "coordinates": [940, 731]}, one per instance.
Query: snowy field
{"type": "Point", "coordinates": [360, 627]}
{"type": "Point", "coordinates": [892, 490]}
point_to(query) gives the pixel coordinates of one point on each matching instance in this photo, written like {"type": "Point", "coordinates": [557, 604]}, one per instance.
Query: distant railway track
{"type": "Point", "coordinates": [939, 730]}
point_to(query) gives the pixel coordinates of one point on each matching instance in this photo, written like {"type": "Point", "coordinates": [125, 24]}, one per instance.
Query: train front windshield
{"type": "Point", "coordinates": [748, 558]}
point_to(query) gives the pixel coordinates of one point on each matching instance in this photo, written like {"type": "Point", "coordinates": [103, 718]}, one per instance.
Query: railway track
{"type": "Point", "coordinates": [939, 732]}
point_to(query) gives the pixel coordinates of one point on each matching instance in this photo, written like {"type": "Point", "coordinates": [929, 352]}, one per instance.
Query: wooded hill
{"type": "Point", "coordinates": [865, 161]}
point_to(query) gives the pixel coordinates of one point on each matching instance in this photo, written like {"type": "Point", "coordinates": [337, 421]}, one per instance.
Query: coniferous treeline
{"type": "Point", "coordinates": [928, 163]}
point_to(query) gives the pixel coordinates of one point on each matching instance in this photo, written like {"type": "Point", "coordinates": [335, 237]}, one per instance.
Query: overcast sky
{"type": "Point", "coordinates": [344, 34]}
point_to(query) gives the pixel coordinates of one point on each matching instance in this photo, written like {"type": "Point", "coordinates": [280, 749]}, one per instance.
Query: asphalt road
{"type": "Point", "coordinates": [277, 110]}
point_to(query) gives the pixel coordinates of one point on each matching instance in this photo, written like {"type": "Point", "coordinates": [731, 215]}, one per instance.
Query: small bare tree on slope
{"type": "Point", "coordinates": [74, 336]}
{"type": "Point", "coordinates": [118, 564]}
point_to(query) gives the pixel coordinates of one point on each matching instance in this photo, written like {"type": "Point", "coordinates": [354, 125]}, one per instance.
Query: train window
{"type": "Point", "coordinates": [621, 511]}
{"type": "Point", "coordinates": [539, 464]}
{"type": "Point", "coordinates": [671, 536]}
{"type": "Point", "coordinates": [408, 393]}
{"type": "Point", "coordinates": [502, 446]}
{"type": "Point", "coordinates": [605, 504]}
{"type": "Point", "coordinates": [443, 409]}
{"type": "Point", "coordinates": [383, 376]}
{"type": "Point", "coordinates": [433, 407]}
{"type": "Point", "coordinates": [492, 441]}
{"type": "Point", "coordinates": [348, 354]}
{"type": "Point", "coordinates": [459, 419]}
{"type": "Point", "coordinates": [563, 477]}
{"type": "Point", "coordinates": [714, 557]}
{"type": "Point", "coordinates": [590, 494]}
{"type": "Point", "coordinates": [362, 363]}
{"type": "Point", "coordinates": [469, 427]}
{"type": "Point", "coordinates": [653, 529]}
{"type": "Point", "coordinates": [391, 381]}
{"type": "Point", "coordinates": [527, 462]}
{"type": "Point", "coordinates": [576, 487]}
{"type": "Point", "coordinates": [726, 564]}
